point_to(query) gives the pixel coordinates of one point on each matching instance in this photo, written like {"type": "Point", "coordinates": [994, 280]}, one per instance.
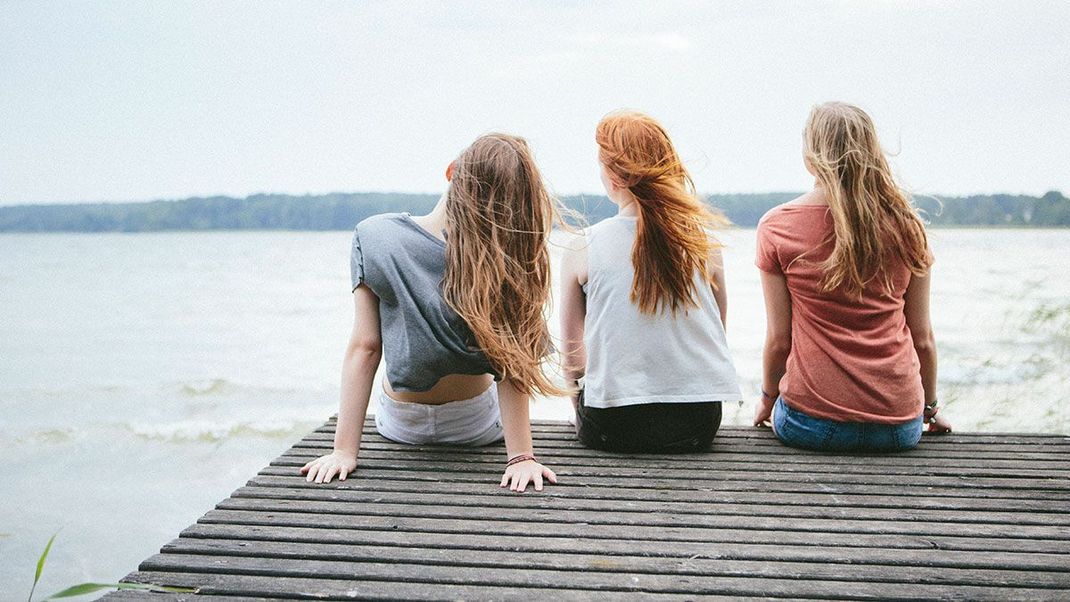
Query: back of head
{"type": "Point", "coordinates": [499, 217]}
{"type": "Point", "coordinates": [873, 220]}
{"type": "Point", "coordinates": [672, 233]}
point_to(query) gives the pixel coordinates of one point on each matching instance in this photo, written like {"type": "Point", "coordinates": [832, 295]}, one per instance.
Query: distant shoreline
{"type": "Point", "coordinates": [342, 211]}
{"type": "Point", "coordinates": [995, 227]}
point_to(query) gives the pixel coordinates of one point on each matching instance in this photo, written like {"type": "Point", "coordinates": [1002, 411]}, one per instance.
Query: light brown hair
{"type": "Point", "coordinates": [672, 234]}
{"type": "Point", "coordinates": [499, 216]}
{"type": "Point", "coordinates": [873, 219]}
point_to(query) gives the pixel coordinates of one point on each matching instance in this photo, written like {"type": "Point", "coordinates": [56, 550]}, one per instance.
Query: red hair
{"type": "Point", "coordinates": [672, 236]}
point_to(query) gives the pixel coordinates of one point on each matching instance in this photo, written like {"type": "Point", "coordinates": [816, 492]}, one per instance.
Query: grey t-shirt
{"type": "Point", "coordinates": [423, 338]}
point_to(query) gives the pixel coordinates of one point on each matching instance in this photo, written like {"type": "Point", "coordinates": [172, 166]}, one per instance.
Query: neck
{"type": "Point", "coordinates": [817, 195]}
{"type": "Point", "coordinates": [627, 205]}
{"type": "Point", "coordinates": [438, 213]}
{"type": "Point", "coordinates": [435, 221]}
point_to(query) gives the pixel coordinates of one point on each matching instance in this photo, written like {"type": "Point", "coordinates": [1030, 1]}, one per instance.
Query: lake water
{"type": "Point", "coordinates": [143, 377]}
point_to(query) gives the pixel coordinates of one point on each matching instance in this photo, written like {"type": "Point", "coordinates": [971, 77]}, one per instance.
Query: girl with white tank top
{"type": "Point", "coordinates": [644, 303]}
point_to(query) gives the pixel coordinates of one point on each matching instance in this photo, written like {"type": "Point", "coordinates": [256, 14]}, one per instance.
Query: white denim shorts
{"type": "Point", "coordinates": [475, 421]}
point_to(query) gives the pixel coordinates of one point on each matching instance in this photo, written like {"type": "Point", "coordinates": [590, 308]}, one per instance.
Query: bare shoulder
{"type": "Point", "coordinates": [574, 244]}
{"type": "Point", "coordinates": [574, 256]}
{"type": "Point", "coordinates": [715, 263]}
{"type": "Point", "coordinates": [717, 253]}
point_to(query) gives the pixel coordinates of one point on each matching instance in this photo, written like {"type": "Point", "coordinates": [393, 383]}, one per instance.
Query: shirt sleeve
{"type": "Point", "coordinates": [768, 258]}
{"type": "Point", "coordinates": [356, 262]}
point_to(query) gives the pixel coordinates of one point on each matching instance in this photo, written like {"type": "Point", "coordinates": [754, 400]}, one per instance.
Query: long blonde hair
{"type": "Point", "coordinates": [672, 239]}
{"type": "Point", "coordinates": [498, 221]}
{"type": "Point", "coordinates": [873, 219]}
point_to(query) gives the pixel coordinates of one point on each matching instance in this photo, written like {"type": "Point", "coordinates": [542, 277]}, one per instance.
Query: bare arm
{"type": "Point", "coordinates": [515, 404]}
{"type": "Point", "coordinates": [516, 422]}
{"type": "Point", "coordinates": [361, 360]}
{"type": "Point", "coordinates": [715, 269]}
{"type": "Point", "coordinates": [777, 341]}
{"type": "Point", "coordinates": [916, 309]}
{"type": "Point", "coordinates": [573, 309]}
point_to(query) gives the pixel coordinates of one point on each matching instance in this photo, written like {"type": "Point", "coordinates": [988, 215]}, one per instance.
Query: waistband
{"type": "Point", "coordinates": [460, 421]}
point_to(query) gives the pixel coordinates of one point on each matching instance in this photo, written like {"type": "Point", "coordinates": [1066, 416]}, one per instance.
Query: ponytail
{"type": "Point", "coordinates": [673, 238]}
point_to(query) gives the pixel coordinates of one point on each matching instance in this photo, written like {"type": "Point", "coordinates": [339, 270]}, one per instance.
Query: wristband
{"type": "Point", "coordinates": [931, 418]}
{"type": "Point", "coordinates": [520, 458]}
{"type": "Point", "coordinates": [768, 396]}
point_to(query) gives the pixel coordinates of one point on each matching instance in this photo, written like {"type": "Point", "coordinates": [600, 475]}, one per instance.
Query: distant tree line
{"type": "Point", "coordinates": [341, 211]}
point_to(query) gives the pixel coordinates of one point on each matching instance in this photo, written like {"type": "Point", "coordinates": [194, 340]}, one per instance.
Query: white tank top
{"type": "Point", "coordinates": [635, 358]}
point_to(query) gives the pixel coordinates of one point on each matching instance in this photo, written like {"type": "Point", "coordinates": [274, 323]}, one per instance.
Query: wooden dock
{"type": "Point", "coordinates": [965, 516]}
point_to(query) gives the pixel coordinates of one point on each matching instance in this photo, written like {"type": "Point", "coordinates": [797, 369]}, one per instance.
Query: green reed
{"type": "Point", "coordinates": [88, 588]}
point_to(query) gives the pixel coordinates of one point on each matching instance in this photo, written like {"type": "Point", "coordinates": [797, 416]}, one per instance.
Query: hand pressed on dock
{"type": "Point", "coordinates": [325, 468]}
{"type": "Point", "coordinates": [518, 476]}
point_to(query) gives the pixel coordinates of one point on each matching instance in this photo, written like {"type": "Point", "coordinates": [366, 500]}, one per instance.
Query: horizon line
{"type": "Point", "coordinates": [4, 203]}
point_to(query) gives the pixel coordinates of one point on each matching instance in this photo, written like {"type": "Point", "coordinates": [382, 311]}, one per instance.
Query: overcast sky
{"type": "Point", "coordinates": [143, 100]}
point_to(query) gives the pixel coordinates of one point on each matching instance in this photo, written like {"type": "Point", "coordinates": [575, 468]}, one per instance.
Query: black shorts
{"type": "Point", "coordinates": [649, 427]}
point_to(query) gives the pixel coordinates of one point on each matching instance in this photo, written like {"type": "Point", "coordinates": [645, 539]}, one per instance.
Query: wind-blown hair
{"type": "Point", "coordinates": [499, 216]}
{"type": "Point", "coordinates": [673, 237]}
{"type": "Point", "coordinates": [873, 219]}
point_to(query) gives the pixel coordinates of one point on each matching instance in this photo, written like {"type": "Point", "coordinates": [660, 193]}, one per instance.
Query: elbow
{"type": "Point", "coordinates": [924, 342]}
{"type": "Point", "coordinates": [778, 345]}
{"type": "Point", "coordinates": [364, 352]}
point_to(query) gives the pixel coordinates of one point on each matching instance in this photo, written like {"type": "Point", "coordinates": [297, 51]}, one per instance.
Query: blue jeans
{"type": "Point", "coordinates": [797, 429]}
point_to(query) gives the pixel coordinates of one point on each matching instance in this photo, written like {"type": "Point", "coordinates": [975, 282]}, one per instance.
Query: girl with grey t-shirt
{"type": "Point", "coordinates": [453, 301]}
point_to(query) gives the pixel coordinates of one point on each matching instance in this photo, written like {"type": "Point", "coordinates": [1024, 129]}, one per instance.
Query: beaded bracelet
{"type": "Point", "coordinates": [519, 458]}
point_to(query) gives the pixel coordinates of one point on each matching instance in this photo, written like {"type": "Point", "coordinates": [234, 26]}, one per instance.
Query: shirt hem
{"type": "Point", "coordinates": [851, 417]}
{"type": "Point", "coordinates": [630, 401]}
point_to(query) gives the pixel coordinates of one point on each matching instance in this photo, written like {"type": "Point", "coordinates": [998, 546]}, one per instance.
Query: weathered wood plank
{"type": "Point", "coordinates": [603, 488]}
{"type": "Point", "coordinates": [1024, 540]}
{"type": "Point", "coordinates": [643, 556]}
{"type": "Point", "coordinates": [607, 478]}
{"type": "Point", "coordinates": [351, 515]}
{"type": "Point", "coordinates": [321, 588]}
{"type": "Point", "coordinates": [616, 466]}
{"type": "Point", "coordinates": [807, 579]}
{"type": "Point", "coordinates": [728, 460]}
{"type": "Point", "coordinates": [295, 559]}
{"type": "Point", "coordinates": [614, 500]}
{"type": "Point", "coordinates": [972, 552]}
{"type": "Point", "coordinates": [169, 597]}
{"type": "Point", "coordinates": [1030, 479]}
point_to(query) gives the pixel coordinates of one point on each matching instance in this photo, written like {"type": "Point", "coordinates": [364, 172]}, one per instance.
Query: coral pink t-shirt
{"type": "Point", "coordinates": [851, 360]}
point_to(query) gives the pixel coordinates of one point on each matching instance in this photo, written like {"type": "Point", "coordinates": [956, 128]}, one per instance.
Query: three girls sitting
{"type": "Point", "coordinates": [454, 300]}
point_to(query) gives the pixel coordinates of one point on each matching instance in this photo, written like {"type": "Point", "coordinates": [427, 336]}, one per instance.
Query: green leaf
{"type": "Point", "coordinates": [82, 588]}
{"type": "Point", "coordinates": [41, 565]}
{"type": "Point", "coordinates": [44, 555]}
{"type": "Point", "coordinates": [88, 588]}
